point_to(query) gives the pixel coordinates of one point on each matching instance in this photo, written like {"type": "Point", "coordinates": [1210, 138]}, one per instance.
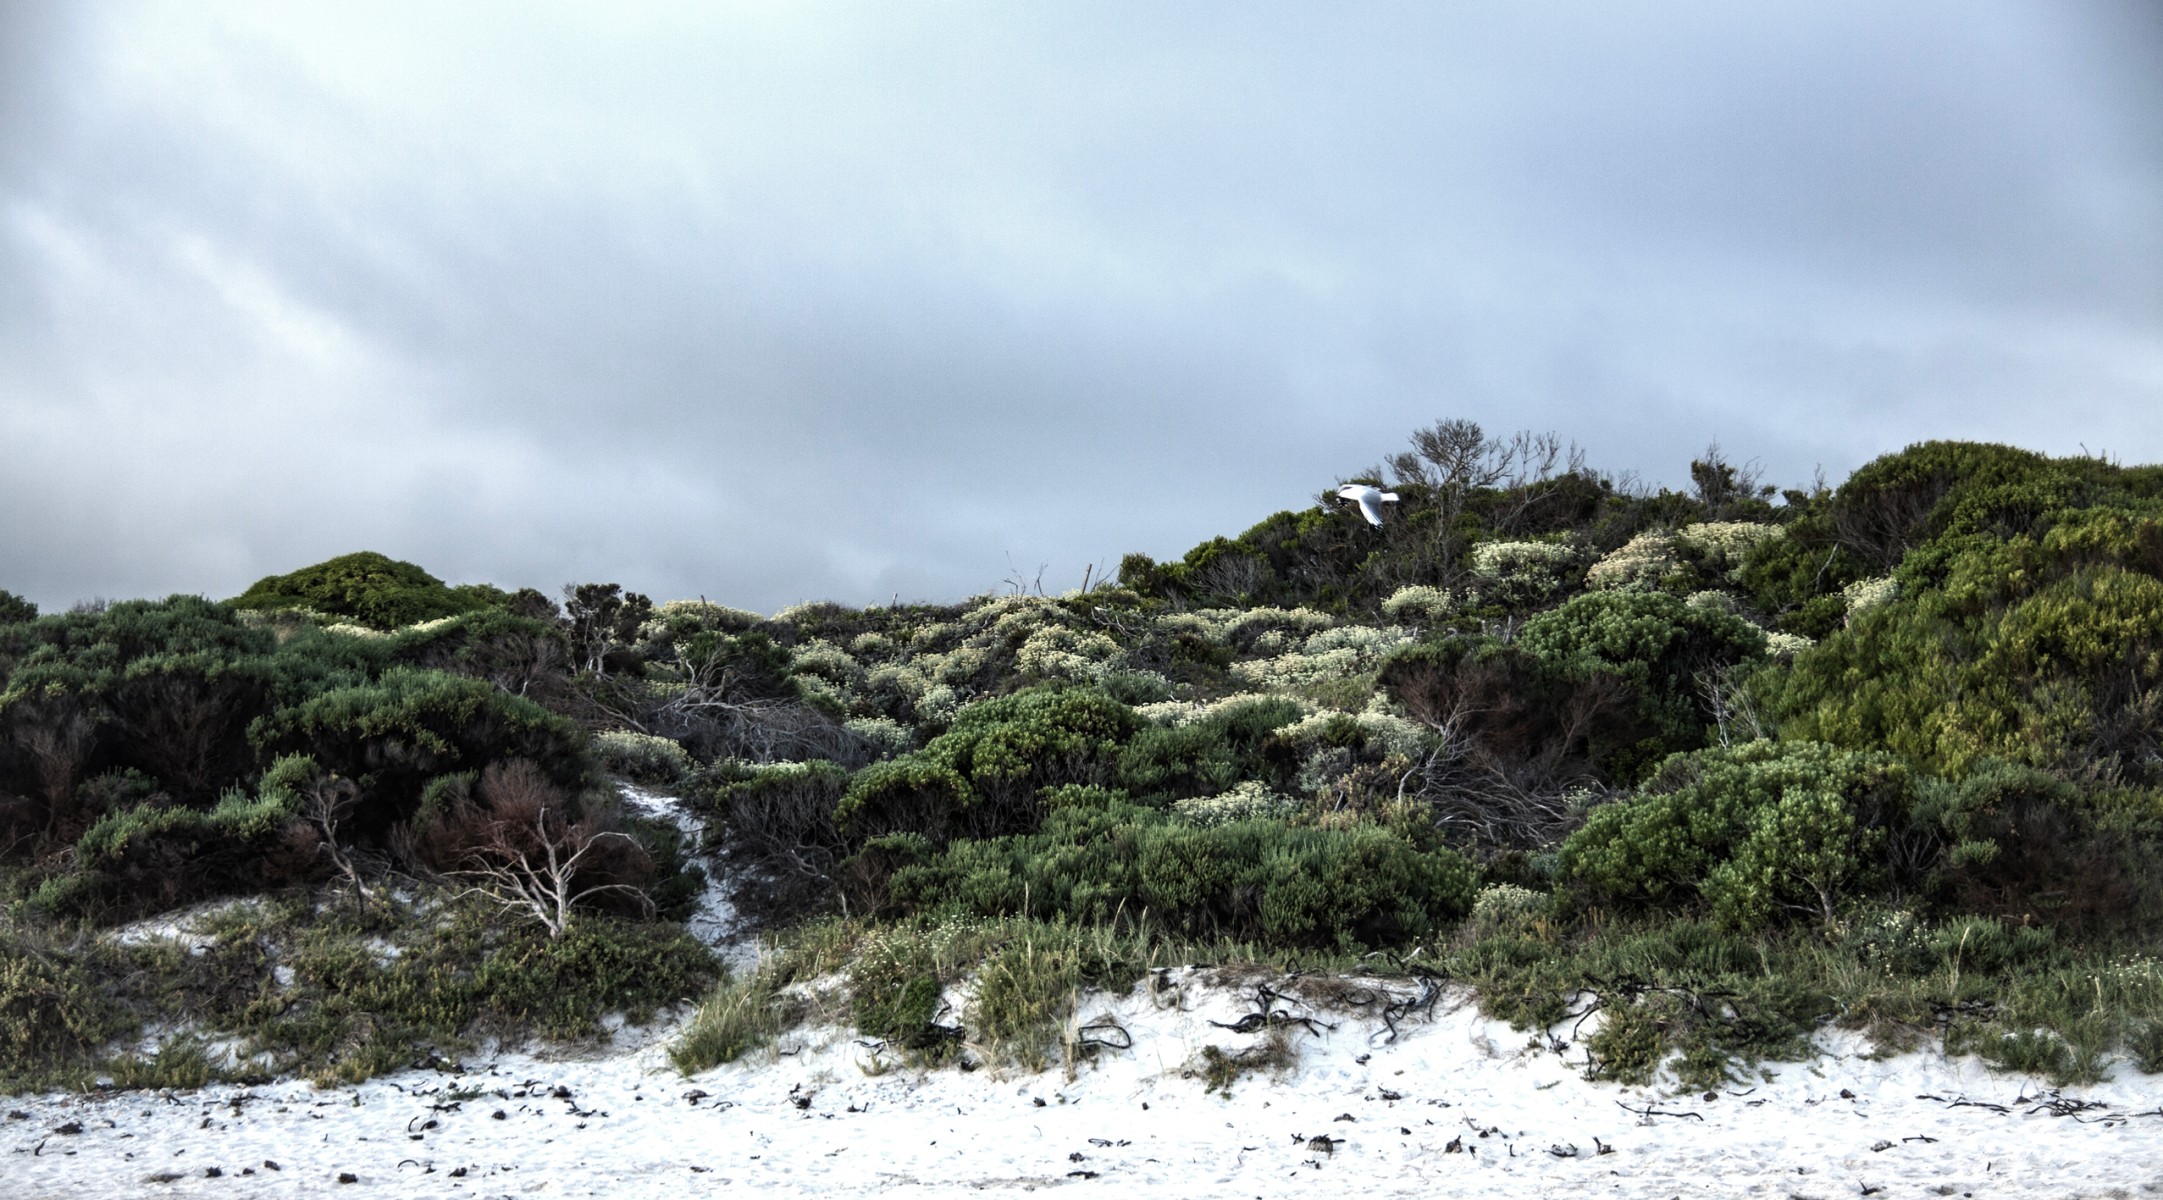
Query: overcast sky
{"type": "Point", "coordinates": [770, 302]}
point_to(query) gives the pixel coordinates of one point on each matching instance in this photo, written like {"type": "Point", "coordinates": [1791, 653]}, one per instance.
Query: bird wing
{"type": "Point", "coordinates": [1370, 505]}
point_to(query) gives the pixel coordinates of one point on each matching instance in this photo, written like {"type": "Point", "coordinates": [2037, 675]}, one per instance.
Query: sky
{"type": "Point", "coordinates": [773, 302]}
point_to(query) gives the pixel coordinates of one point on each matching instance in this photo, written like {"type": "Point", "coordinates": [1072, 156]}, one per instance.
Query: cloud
{"type": "Point", "coordinates": [771, 303]}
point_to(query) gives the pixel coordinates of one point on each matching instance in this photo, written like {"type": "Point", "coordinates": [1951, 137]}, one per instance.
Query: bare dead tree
{"type": "Point", "coordinates": [1734, 713]}
{"type": "Point", "coordinates": [325, 804]}
{"type": "Point", "coordinates": [1455, 458]}
{"type": "Point", "coordinates": [57, 745]}
{"type": "Point", "coordinates": [534, 871]}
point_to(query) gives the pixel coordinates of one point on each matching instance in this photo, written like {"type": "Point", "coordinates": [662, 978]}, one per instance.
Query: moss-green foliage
{"type": "Point", "coordinates": [1099, 858]}
{"type": "Point", "coordinates": [57, 1005]}
{"type": "Point", "coordinates": [1656, 646]}
{"type": "Point", "coordinates": [367, 588]}
{"type": "Point", "coordinates": [365, 994]}
{"type": "Point", "coordinates": [155, 855]}
{"type": "Point", "coordinates": [356, 1009]}
{"type": "Point", "coordinates": [1754, 833]}
{"type": "Point", "coordinates": [982, 776]}
{"type": "Point", "coordinates": [2044, 646]}
{"type": "Point", "coordinates": [393, 735]}
{"type": "Point", "coordinates": [1207, 756]}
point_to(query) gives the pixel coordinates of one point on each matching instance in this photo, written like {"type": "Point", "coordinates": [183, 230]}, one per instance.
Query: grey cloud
{"type": "Point", "coordinates": [858, 301]}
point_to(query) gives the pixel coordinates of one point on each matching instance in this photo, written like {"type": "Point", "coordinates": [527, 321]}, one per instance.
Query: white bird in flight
{"type": "Point", "coordinates": [1369, 499]}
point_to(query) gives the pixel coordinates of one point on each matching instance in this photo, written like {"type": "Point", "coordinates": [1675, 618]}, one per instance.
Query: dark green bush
{"type": "Point", "coordinates": [1207, 756]}
{"type": "Point", "coordinates": [1657, 646]}
{"type": "Point", "coordinates": [156, 854]}
{"type": "Point", "coordinates": [366, 588]}
{"type": "Point", "coordinates": [14, 610]}
{"type": "Point", "coordinates": [981, 778]}
{"type": "Point", "coordinates": [394, 735]}
{"type": "Point", "coordinates": [1754, 833]}
{"type": "Point", "coordinates": [1100, 858]}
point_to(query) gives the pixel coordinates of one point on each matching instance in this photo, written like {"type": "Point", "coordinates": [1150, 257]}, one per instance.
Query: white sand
{"type": "Point", "coordinates": [810, 1118]}
{"type": "Point", "coordinates": [814, 1121]}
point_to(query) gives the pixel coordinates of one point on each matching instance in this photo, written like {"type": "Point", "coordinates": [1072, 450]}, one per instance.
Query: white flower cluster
{"type": "Point", "coordinates": [1639, 565]}
{"type": "Point", "coordinates": [1532, 570]}
{"type": "Point", "coordinates": [1786, 645]}
{"type": "Point", "coordinates": [888, 736]}
{"type": "Point", "coordinates": [1419, 603]}
{"type": "Point", "coordinates": [1866, 594]}
{"type": "Point", "coordinates": [1724, 544]}
{"type": "Point", "coordinates": [1332, 654]}
{"type": "Point", "coordinates": [349, 630]}
{"type": "Point", "coordinates": [1057, 652]}
{"type": "Point", "coordinates": [1247, 800]}
{"type": "Point", "coordinates": [1273, 630]}
{"type": "Point", "coordinates": [1396, 734]}
{"type": "Point", "coordinates": [682, 618]}
{"type": "Point", "coordinates": [1711, 601]}
{"type": "Point", "coordinates": [628, 752]}
{"type": "Point", "coordinates": [1175, 713]}
{"type": "Point", "coordinates": [1506, 906]}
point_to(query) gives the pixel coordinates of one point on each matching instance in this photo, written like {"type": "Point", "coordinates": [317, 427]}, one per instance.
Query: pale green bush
{"type": "Point", "coordinates": [1722, 545]}
{"type": "Point", "coordinates": [1639, 565]}
{"type": "Point", "coordinates": [889, 737]}
{"type": "Point", "coordinates": [1866, 594]}
{"type": "Point", "coordinates": [1056, 652]}
{"type": "Point", "coordinates": [1528, 571]}
{"type": "Point", "coordinates": [827, 661]}
{"type": "Point", "coordinates": [1786, 645]}
{"type": "Point", "coordinates": [641, 756]}
{"type": "Point", "coordinates": [1246, 801]}
{"type": "Point", "coordinates": [1504, 906]}
{"type": "Point", "coordinates": [1419, 603]}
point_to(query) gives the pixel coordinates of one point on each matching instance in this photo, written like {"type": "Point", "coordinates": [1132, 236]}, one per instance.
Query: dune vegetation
{"type": "Point", "coordinates": [1730, 762]}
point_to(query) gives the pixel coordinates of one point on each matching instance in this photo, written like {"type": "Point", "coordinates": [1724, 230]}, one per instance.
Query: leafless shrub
{"type": "Point", "coordinates": [1511, 769]}
{"type": "Point", "coordinates": [709, 705]}
{"type": "Point", "coordinates": [525, 848]}
{"type": "Point", "coordinates": [781, 832]}
{"type": "Point", "coordinates": [324, 805]}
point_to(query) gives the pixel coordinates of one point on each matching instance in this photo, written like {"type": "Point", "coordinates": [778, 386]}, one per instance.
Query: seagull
{"type": "Point", "coordinates": [1369, 499]}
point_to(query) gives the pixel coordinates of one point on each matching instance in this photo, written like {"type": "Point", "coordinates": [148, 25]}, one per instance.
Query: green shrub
{"type": "Point", "coordinates": [1755, 832]}
{"type": "Point", "coordinates": [983, 775]}
{"type": "Point", "coordinates": [641, 756]}
{"type": "Point", "coordinates": [394, 735]}
{"type": "Point", "coordinates": [14, 610]}
{"type": "Point", "coordinates": [58, 1007]}
{"type": "Point", "coordinates": [1206, 756]}
{"type": "Point", "coordinates": [2044, 647]}
{"type": "Point", "coordinates": [366, 587]}
{"type": "Point", "coordinates": [1262, 880]}
{"type": "Point", "coordinates": [1658, 647]}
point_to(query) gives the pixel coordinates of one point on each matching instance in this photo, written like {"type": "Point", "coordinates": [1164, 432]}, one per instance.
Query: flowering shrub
{"type": "Point", "coordinates": [1503, 906]}
{"type": "Point", "coordinates": [641, 756]}
{"type": "Point", "coordinates": [1866, 594]}
{"type": "Point", "coordinates": [1525, 572]}
{"type": "Point", "coordinates": [886, 736]}
{"type": "Point", "coordinates": [1246, 801]}
{"type": "Point", "coordinates": [1640, 565]}
{"type": "Point", "coordinates": [1786, 645]}
{"type": "Point", "coordinates": [1057, 652]}
{"type": "Point", "coordinates": [1419, 603]}
{"type": "Point", "coordinates": [1328, 655]}
{"type": "Point", "coordinates": [1721, 546]}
